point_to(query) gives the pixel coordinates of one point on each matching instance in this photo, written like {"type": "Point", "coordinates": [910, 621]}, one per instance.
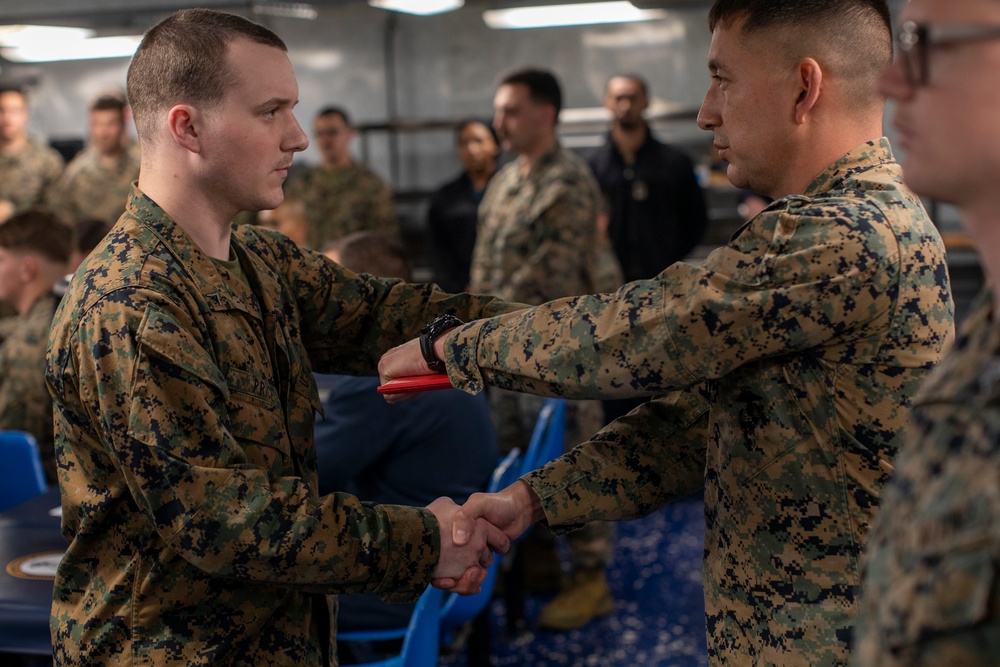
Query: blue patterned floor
{"type": "Point", "coordinates": [659, 617]}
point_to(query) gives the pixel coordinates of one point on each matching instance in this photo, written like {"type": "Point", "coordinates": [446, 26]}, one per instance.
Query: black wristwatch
{"type": "Point", "coordinates": [429, 334]}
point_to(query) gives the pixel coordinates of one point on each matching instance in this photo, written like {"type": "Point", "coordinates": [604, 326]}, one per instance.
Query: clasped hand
{"type": "Point", "coordinates": [472, 533]}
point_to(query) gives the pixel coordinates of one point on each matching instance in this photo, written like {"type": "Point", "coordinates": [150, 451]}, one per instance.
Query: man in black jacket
{"type": "Point", "coordinates": [656, 206]}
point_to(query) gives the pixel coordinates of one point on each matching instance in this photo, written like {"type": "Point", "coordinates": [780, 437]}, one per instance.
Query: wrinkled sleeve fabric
{"type": "Point", "coordinates": [636, 464]}
{"type": "Point", "coordinates": [797, 278]}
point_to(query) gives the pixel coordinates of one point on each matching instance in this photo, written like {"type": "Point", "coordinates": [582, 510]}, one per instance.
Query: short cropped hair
{"type": "Point", "coordinates": [336, 111]}
{"type": "Point", "coordinates": [109, 103]}
{"type": "Point", "coordinates": [640, 81]}
{"type": "Point", "coordinates": [182, 59]}
{"type": "Point", "coordinates": [371, 252]}
{"type": "Point", "coordinates": [542, 85]}
{"type": "Point", "coordinates": [40, 231]}
{"type": "Point", "coordinates": [852, 39]}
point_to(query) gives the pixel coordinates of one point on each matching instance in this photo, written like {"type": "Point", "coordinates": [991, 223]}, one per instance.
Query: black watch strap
{"type": "Point", "coordinates": [430, 333]}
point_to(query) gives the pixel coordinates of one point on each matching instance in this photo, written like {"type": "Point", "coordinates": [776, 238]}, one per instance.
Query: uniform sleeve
{"type": "Point", "coordinates": [181, 431]}
{"type": "Point", "coordinates": [52, 169]}
{"type": "Point", "coordinates": [25, 404]}
{"type": "Point", "coordinates": [348, 321]}
{"type": "Point", "coordinates": [796, 287]}
{"type": "Point", "coordinates": [635, 465]}
{"type": "Point", "coordinates": [562, 255]}
{"type": "Point", "coordinates": [59, 195]}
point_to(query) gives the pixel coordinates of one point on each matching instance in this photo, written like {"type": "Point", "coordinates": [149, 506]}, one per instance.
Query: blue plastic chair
{"type": "Point", "coordinates": [548, 442]}
{"type": "Point", "coordinates": [23, 477]}
{"type": "Point", "coordinates": [548, 438]}
{"type": "Point", "coordinates": [456, 610]}
{"type": "Point", "coordinates": [421, 643]}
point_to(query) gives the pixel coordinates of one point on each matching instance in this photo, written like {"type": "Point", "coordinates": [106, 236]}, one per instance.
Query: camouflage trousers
{"type": "Point", "coordinates": [515, 415]}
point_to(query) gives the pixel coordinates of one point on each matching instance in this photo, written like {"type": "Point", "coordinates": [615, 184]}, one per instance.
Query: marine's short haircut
{"type": "Point", "coordinates": [336, 111]}
{"type": "Point", "coordinates": [371, 252]}
{"type": "Point", "coordinates": [642, 83]}
{"type": "Point", "coordinates": [851, 39]}
{"type": "Point", "coordinates": [40, 231]}
{"type": "Point", "coordinates": [109, 103]}
{"type": "Point", "coordinates": [182, 60]}
{"type": "Point", "coordinates": [542, 85]}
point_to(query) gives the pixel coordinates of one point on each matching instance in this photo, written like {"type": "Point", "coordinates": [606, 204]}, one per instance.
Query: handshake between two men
{"type": "Point", "coordinates": [487, 522]}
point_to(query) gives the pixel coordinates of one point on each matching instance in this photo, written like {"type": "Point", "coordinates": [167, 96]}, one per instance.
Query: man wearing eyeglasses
{"type": "Point", "coordinates": [782, 367]}
{"type": "Point", "coordinates": [932, 594]}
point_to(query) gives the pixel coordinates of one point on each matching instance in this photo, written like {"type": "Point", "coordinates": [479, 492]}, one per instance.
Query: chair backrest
{"type": "Point", "coordinates": [549, 437]}
{"type": "Point", "coordinates": [23, 477]}
{"type": "Point", "coordinates": [458, 609]}
{"type": "Point", "coordinates": [421, 644]}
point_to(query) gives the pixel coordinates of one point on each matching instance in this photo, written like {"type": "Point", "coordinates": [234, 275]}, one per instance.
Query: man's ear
{"type": "Point", "coordinates": [810, 80]}
{"type": "Point", "coordinates": [184, 122]}
{"type": "Point", "coordinates": [30, 268]}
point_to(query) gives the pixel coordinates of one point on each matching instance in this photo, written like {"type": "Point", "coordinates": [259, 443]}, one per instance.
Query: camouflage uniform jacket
{"type": "Point", "coordinates": [932, 595]}
{"type": "Point", "coordinates": [342, 201]}
{"type": "Point", "coordinates": [184, 408]}
{"type": "Point", "coordinates": [89, 189]}
{"type": "Point", "coordinates": [25, 404]}
{"type": "Point", "coordinates": [27, 175]}
{"type": "Point", "coordinates": [537, 234]}
{"type": "Point", "coordinates": [790, 357]}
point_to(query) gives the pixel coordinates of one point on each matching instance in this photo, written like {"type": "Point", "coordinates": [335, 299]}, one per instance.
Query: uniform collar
{"type": "Point", "coordinates": [866, 156]}
{"type": "Point", "coordinates": [218, 288]}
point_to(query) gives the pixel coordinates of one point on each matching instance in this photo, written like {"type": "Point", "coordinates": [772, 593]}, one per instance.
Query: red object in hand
{"type": "Point", "coordinates": [416, 383]}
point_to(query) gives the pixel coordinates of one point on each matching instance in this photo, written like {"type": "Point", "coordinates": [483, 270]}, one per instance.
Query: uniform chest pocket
{"type": "Point", "coordinates": [256, 420]}
{"type": "Point", "coordinates": [945, 591]}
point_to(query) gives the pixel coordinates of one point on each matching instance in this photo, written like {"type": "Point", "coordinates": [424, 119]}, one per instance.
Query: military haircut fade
{"type": "Point", "coordinates": [336, 111]}
{"type": "Point", "coordinates": [542, 85]}
{"type": "Point", "coordinates": [851, 39]}
{"type": "Point", "coordinates": [40, 231]}
{"type": "Point", "coordinates": [109, 103]}
{"type": "Point", "coordinates": [635, 78]}
{"type": "Point", "coordinates": [182, 60]}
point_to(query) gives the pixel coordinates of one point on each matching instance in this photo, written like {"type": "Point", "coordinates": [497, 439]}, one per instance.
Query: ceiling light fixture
{"type": "Point", "coordinates": [418, 7]}
{"type": "Point", "coordinates": [588, 13]}
{"type": "Point", "coordinates": [42, 43]}
{"type": "Point", "coordinates": [288, 10]}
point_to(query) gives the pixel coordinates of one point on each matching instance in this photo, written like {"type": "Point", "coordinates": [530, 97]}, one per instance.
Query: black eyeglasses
{"type": "Point", "coordinates": [917, 39]}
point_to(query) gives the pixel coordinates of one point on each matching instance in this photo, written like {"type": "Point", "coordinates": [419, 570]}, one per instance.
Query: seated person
{"type": "Point", "coordinates": [407, 449]}
{"type": "Point", "coordinates": [34, 254]}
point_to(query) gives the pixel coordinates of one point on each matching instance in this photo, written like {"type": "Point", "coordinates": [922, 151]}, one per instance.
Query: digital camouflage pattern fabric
{"type": "Point", "coordinates": [342, 201]}
{"type": "Point", "coordinates": [89, 189]}
{"type": "Point", "coordinates": [783, 368]}
{"type": "Point", "coordinates": [184, 408]}
{"type": "Point", "coordinates": [932, 596]}
{"type": "Point", "coordinates": [27, 175]}
{"type": "Point", "coordinates": [25, 404]}
{"type": "Point", "coordinates": [537, 233]}
{"type": "Point", "coordinates": [537, 240]}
